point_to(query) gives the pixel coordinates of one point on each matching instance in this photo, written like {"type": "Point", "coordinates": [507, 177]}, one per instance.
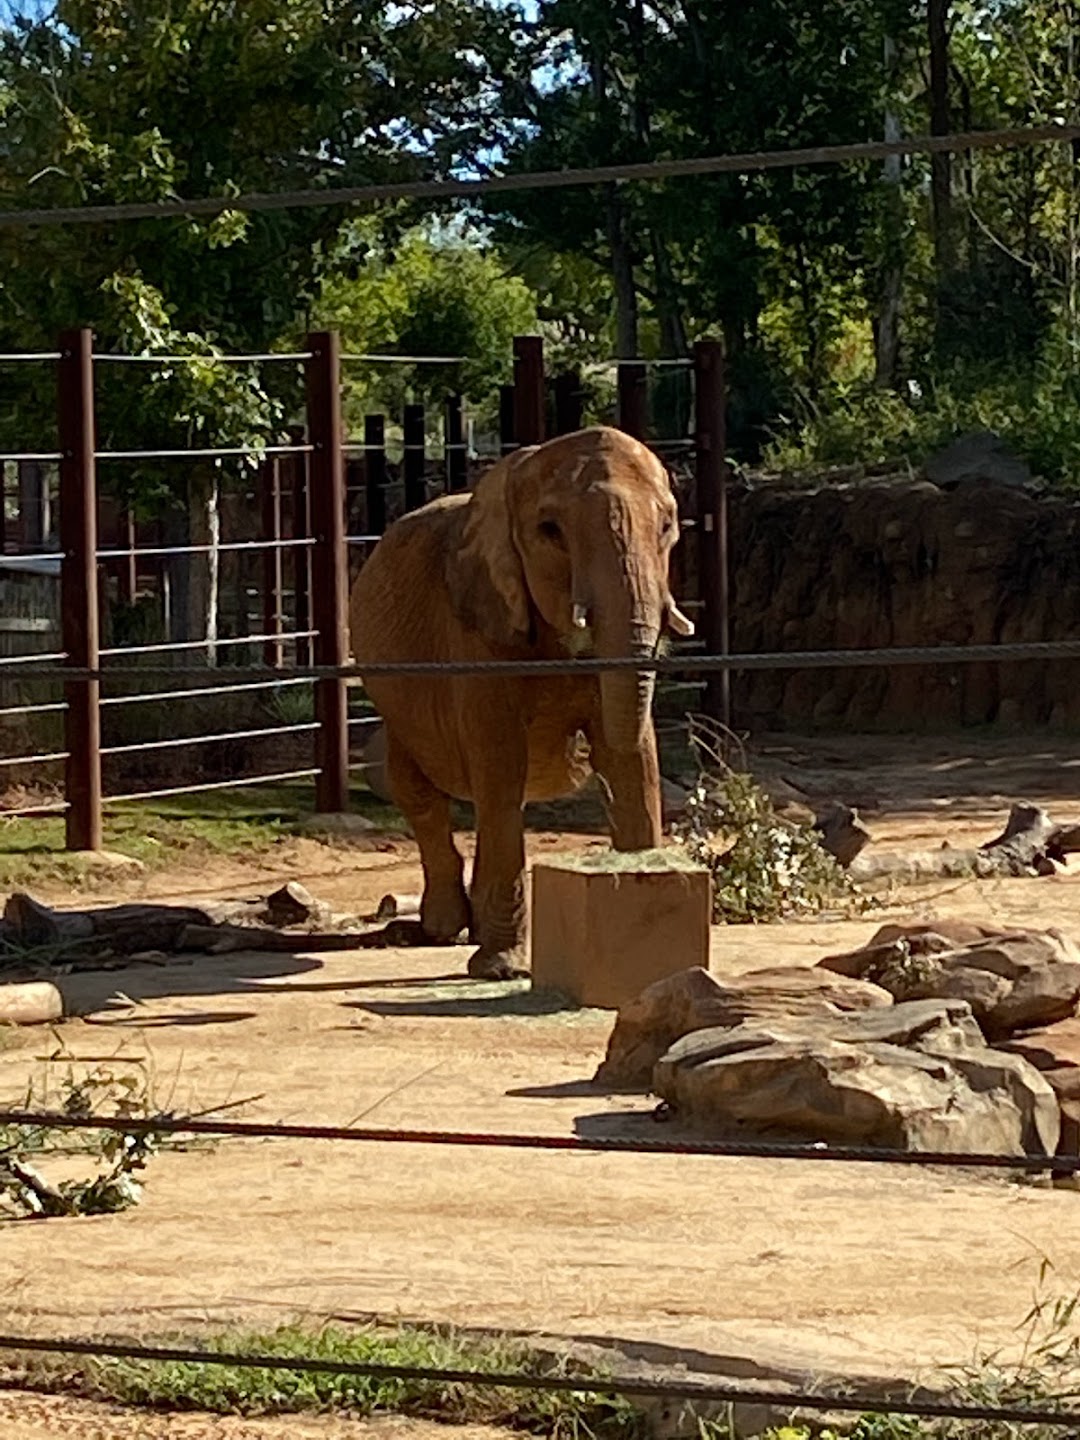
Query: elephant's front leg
{"type": "Point", "coordinates": [444, 909]}
{"type": "Point", "coordinates": [633, 780]}
{"type": "Point", "coordinates": [498, 883]}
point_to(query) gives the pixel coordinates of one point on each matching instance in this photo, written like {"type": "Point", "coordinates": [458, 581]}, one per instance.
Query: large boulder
{"type": "Point", "coordinates": [1012, 979]}
{"type": "Point", "coordinates": [694, 1000]}
{"type": "Point", "coordinates": [914, 1076]}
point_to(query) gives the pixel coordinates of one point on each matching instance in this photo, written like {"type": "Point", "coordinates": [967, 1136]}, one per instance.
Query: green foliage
{"type": "Point", "coordinates": [118, 1158]}
{"type": "Point", "coordinates": [763, 867]}
{"type": "Point", "coordinates": [426, 292]}
{"type": "Point", "coordinates": [1035, 409]}
{"type": "Point", "coordinates": [226, 1389]}
{"type": "Point", "coordinates": [143, 100]}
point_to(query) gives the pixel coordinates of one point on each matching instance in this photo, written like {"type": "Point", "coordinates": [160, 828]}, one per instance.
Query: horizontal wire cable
{"type": "Point", "coordinates": [54, 808]}
{"type": "Point", "coordinates": [137, 747]}
{"type": "Point", "coordinates": [112, 359]}
{"type": "Point", "coordinates": [1035, 650]}
{"type": "Point", "coordinates": [510, 1140]}
{"type": "Point", "coordinates": [40, 457]}
{"type": "Point", "coordinates": [201, 690]}
{"type": "Point", "coordinates": [167, 645]}
{"type": "Point", "coordinates": [406, 359]}
{"type": "Point", "coordinates": [226, 545]}
{"type": "Point", "coordinates": [26, 357]}
{"type": "Point", "coordinates": [33, 709]}
{"type": "Point", "coordinates": [849, 1400]}
{"type": "Point", "coordinates": [210, 452]}
{"type": "Point", "coordinates": [34, 759]}
{"type": "Point", "coordinates": [748, 162]}
{"type": "Point", "coordinates": [278, 778]}
{"type": "Point", "coordinates": [29, 659]}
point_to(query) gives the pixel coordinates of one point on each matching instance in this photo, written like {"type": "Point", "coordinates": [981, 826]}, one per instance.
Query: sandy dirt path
{"type": "Point", "coordinates": [855, 1268]}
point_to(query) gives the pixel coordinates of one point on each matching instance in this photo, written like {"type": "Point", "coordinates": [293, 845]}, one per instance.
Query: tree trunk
{"type": "Point", "coordinates": [622, 273]}
{"type": "Point", "coordinates": [887, 321]}
{"type": "Point", "coordinates": [940, 124]}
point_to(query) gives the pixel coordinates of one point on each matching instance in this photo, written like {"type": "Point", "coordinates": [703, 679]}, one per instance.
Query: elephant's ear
{"type": "Point", "coordinates": [485, 574]}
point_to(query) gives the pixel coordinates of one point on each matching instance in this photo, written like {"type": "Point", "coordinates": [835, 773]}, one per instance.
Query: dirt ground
{"type": "Point", "coordinates": [26, 1416]}
{"type": "Point", "coordinates": [850, 1269]}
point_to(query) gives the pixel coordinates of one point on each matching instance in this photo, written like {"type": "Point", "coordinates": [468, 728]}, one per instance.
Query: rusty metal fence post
{"type": "Point", "coordinates": [79, 616]}
{"type": "Point", "coordinates": [633, 399]}
{"type": "Point", "coordinates": [712, 516]}
{"type": "Point", "coordinates": [530, 398]}
{"type": "Point", "coordinates": [329, 600]}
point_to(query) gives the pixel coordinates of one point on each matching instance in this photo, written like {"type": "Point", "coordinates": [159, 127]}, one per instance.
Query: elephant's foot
{"type": "Point", "coordinates": [487, 964]}
{"type": "Point", "coordinates": [444, 914]}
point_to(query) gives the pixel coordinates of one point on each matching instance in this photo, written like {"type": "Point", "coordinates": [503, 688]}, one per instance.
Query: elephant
{"type": "Point", "coordinates": [561, 549]}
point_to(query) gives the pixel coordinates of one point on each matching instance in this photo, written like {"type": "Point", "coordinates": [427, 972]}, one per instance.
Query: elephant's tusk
{"type": "Point", "coordinates": [678, 622]}
{"type": "Point", "coordinates": [581, 617]}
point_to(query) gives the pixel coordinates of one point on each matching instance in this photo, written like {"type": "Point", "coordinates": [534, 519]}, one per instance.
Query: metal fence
{"type": "Point", "coordinates": [338, 495]}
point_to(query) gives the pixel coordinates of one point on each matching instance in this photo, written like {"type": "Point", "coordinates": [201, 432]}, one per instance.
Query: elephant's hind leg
{"type": "Point", "coordinates": [444, 910]}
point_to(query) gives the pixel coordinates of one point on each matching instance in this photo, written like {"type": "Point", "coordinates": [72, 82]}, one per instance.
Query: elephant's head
{"type": "Point", "coordinates": [576, 534]}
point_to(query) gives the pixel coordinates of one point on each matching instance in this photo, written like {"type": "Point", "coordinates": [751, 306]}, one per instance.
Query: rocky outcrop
{"type": "Point", "coordinates": [1013, 980]}
{"type": "Point", "coordinates": [905, 562]}
{"type": "Point", "coordinates": [915, 1076]}
{"type": "Point", "coordinates": [694, 1000]}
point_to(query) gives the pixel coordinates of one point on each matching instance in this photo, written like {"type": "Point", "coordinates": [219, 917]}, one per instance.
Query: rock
{"type": "Point", "coordinates": [1050, 1048]}
{"type": "Point", "coordinates": [914, 1076]}
{"type": "Point", "coordinates": [980, 457]}
{"type": "Point", "coordinates": [393, 907]}
{"type": "Point", "coordinates": [1013, 980]}
{"type": "Point", "coordinates": [294, 904]}
{"type": "Point", "coordinates": [694, 1000]}
{"type": "Point", "coordinates": [35, 1002]}
{"type": "Point", "coordinates": [842, 833]}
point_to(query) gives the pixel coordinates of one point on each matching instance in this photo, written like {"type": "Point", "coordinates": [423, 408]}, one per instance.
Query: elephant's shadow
{"type": "Point", "coordinates": [580, 814]}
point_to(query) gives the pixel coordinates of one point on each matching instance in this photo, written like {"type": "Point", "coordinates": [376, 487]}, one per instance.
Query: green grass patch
{"type": "Point", "coordinates": [231, 1389]}
{"type": "Point", "coordinates": [241, 821]}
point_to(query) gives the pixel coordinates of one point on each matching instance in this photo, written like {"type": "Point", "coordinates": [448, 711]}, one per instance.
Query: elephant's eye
{"type": "Point", "coordinates": [550, 531]}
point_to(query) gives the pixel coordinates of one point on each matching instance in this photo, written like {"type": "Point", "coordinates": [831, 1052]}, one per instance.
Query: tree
{"type": "Point", "coordinates": [113, 100]}
{"type": "Point", "coordinates": [431, 292]}
{"type": "Point", "coordinates": [627, 80]}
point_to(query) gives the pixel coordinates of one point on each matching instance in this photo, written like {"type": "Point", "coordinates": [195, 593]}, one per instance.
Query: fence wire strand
{"type": "Point", "coordinates": [849, 1401]}
{"type": "Point", "coordinates": [748, 162]}
{"type": "Point", "coordinates": [1040, 650]}
{"type": "Point", "coordinates": [512, 1140]}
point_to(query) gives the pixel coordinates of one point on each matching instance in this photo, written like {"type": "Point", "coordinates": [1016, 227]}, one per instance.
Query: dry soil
{"type": "Point", "coordinates": [855, 1269]}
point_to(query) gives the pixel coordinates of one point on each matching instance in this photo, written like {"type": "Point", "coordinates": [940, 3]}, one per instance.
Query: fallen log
{"type": "Point", "coordinates": [1030, 844]}
{"type": "Point", "coordinates": [35, 937]}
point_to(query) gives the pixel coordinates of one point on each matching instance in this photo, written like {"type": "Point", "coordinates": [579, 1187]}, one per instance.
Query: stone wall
{"type": "Point", "coordinates": [900, 563]}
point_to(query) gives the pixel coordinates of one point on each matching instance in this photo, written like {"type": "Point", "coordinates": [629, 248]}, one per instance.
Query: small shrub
{"type": "Point", "coordinates": [118, 1157]}
{"type": "Point", "coordinates": [763, 866]}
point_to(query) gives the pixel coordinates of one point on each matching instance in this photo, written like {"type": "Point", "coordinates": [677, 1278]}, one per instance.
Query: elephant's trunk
{"type": "Point", "coordinates": [626, 695]}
